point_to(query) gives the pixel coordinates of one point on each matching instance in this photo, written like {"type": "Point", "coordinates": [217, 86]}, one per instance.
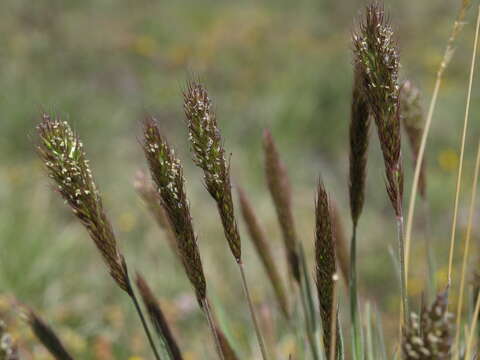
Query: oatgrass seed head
{"type": "Point", "coordinates": [46, 335]}
{"type": "Point", "coordinates": [209, 155]}
{"type": "Point", "coordinates": [264, 251]}
{"type": "Point", "coordinates": [359, 139]}
{"type": "Point", "coordinates": [64, 158]}
{"type": "Point", "coordinates": [411, 115]}
{"type": "Point", "coordinates": [325, 263]}
{"type": "Point", "coordinates": [376, 57]}
{"type": "Point", "coordinates": [280, 190]}
{"type": "Point", "coordinates": [167, 174]}
{"type": "Point", "coordinates": [429, 336]}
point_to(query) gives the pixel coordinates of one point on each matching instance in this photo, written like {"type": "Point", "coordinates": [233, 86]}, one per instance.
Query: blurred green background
{"type": "Point", "coordinates": [285, 65]}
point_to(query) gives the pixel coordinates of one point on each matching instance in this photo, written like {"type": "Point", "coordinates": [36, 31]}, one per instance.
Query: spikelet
{"type": "Point", "coordinates": [376, 58]}
{"type": "Point", "coordinates": [151, 198]}
{"type": "Point", "coordinates": [167, 174]}
{"type": "Point", "coordinates": [65, 161]}
{"type": "Point", "coordinates": [280, 190]}
{"type": "Point", "coordinates": [157, 318]}
{"type": "Point", "coordinates": [411, 114]}
{"type": "Point", "coordinates": [325, 264]}
{"type": "Point", "coordinates": [264, 251]}
{"type": "Point", "coordinates": [209, 155]}
{"type": "Point", "coordinates": [429, 336]}
{"type": "Point", "coordinates": [359, 139]}
{"type": "Point", "coordinates": [46, 335]}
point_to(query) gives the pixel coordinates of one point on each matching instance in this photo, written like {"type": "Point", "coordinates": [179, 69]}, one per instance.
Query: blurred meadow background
{"type": "Point", "coordinates": [285, 65]}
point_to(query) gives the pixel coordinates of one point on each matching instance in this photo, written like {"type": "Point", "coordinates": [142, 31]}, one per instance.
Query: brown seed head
{"type": "Point", "coordinates": [46, 335]}
{"type": "Point", "coordinates": [167, 174]}
{"type": "Point", "coordinates": [325, 263]}
{"type": "Point", "coordinates": [429, 336]}
{"type": "Point", "coordinates": [280, 190]}
{"type": "Point", "coordinates": [359, 139]}
{"type": "Point", "coordinates": [209, 155]}
{"type": "Point", "coordinates": [264, 251]}
{"type": "Point", "coordinates": [412, 119]}
{"type": "Point", "coordinates": [377, 60]}
{"type": "Point", "coordinates": [64, 158]}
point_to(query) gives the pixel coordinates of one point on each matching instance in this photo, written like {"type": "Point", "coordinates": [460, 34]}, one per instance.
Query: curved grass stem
{"type": "Point", "coordinates": [466, 252]}
{"type": "Point", "coordinates": [447, 56]}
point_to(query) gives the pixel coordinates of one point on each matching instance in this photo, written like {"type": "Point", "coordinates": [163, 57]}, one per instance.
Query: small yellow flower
{"type": "Point", "coordinates": [135, 358]}
{"type": "Point", "coordinates": [448, 160]}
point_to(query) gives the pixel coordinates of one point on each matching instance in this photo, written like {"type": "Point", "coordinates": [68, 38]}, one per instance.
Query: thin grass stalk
{"type": "Point", "coordinates": [466, 251]}
{"type": "Point", "coordinates": [306, 283]}
{"type": "Point", "coordinates": [307, 306]}
{"type": "Point", "coordinates": [471, 337]}
{"type": "Point", "coordinates": [145, 326]}
{"type": "Point", "coordinates": [380, 339]}
{"type": "Point", "coordinates": [334, 319]}
{"type": "Point", "coordinates": [462, 152]}
{"type": "Point", "coordinates": [213, 328]}
{"type": "Point", "coordinates": [447, 57]}
{"type": "Point", "coordinates": [261, 342]}
{"type": "Point", "coordinates": [356, 337]}
{"type": "Point", "coordinates": [431, 281]}
{"type": "Point", "coordinates": [369, 335]}
{"type": "Point", "coordinates": [403, 287]}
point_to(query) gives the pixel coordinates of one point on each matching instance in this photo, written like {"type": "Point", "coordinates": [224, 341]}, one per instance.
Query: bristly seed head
{"type": "Point", "coordinates": [325, 264]}
{"type": "Point", "coordinates": [411, 114]}
{"type": "Point", "coordinates": [359, 138]}
{"type": "Point", "coordinates": [429, 336]}
{"type": "Point", "coordinates": [167, 174]}
{"type": "Point", "coordinates": [376, 57]}
{"type": "Point", "coordinates": [280, 190]}
{"type": "Point", "coordinates": [64, 158]}
{"type": "Point", "coordinates": [209, 155]}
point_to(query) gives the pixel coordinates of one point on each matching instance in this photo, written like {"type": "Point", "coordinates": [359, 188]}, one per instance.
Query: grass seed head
{"type": "Point", "coordinates": [209, 155]}
{"type": "Point", "coordinates": [429, 335]}
{"type": "Point", "coordinates": [377, 60]}
{"type": "Point", "coordinates": [280, 190]}
{"type": "Point", "coordinates": [325, 263]}
{"type": "Point", "coordinates": [411, 115]}
{"type": "Point", "coordinates": [359, 139]}
{"type": "Point", "coordinates": [64, 158]}
{"type": "Point", "coordinates": [167, 174]}
{"type": "Point", "coordinates": [46, 335]}
{"type": "Point", "coordinates": [264, 251]}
